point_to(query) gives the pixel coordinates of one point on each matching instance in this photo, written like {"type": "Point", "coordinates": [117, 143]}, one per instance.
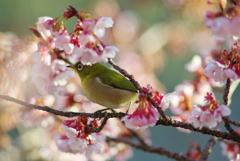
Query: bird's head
{"type": "Point", "coordinates": [84, 70]}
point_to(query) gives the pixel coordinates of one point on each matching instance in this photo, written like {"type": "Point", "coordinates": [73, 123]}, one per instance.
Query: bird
{"type": "Point", "coordinates": [104, 86]}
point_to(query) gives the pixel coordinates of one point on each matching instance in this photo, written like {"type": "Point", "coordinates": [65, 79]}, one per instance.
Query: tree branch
{"type": "Point", "coordinates": [63, 113]}
{"type": "Point", "coordinates": [236, 123]}
{"type": "Point", "coordinates": [159, 150]}
{"type": "Point", "coordinates": [165, 122]}
{"type": "Point", "coordinates": [225, 99]}
{"type": "Point", "coordinates": [203, 130]}
{"type": "Point", "coordinates": [208, 149]}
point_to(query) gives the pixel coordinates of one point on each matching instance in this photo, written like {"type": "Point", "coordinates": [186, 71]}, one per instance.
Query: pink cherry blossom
{"type": "Point", "coordinates": [41, 28]}
{"type": "Point", "coordinates": [220, 25]}
{"type": "Point", "coordinates": [186, 94]}
{"type": "Point", "coordinates": [231, 149]}
{"type": "Point", "coordinates": [195, 64]}
{"type": "Point", "coordinates": [86, 38]}
{"type": "Point", "coordinates": [102, 23]}
{"type": "Point", "coordinates": [146, 114]}
{"type": "Point", "coordinates": [235, 24]}
{"type": "Point", "coordinates": [93, 147]}
{"type": "Point", "coordinates": [219, 72]}
{"type": "Point", "coordinates": [43, 57]}
{"type": "Point", "coordinates": [88, 24]}
{"type": "Point", "coordinates": [63, 145]}
{"type": "Point", "coordinates": [47, 77]}
{"type": "Point", "coordinates": [210, 114]}
{"type": "Point", "coordinates": [62, 42]}
{"type": "Point", "coordinates": [201, 118]}
{"type": "Point", "coordinates": [109, 52]}
{"type": "Point", "coordinates": [141, 118]}
{"type": "Point", "coordinates": [86, 56]}
{"type": "Point", "coordinates": [77, 138]}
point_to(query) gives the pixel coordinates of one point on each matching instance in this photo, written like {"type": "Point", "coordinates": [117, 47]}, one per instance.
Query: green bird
{"type": "Point", "coordinates": [104, 86]}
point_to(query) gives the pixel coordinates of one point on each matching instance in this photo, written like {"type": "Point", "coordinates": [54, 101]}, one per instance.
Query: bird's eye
{"type": "Point", "coordinates": [79, 67]}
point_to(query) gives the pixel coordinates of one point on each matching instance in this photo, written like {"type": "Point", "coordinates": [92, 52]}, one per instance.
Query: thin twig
{"type": "Point", "coordinates": [151, 149]}
{"type": "Point", "coordinates": [236, 123]}
{"type": "Point", "coordinates": [208, 149]}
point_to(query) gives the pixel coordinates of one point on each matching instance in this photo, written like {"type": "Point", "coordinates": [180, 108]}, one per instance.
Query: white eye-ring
{"type": "Point", "coordinates": [79, 67]}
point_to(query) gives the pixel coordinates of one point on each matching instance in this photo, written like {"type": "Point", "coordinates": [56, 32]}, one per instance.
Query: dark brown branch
{"type": "Point", "coordinates": [165, 122]}
{"type": "Point", "coordinates": [159, 150]}
{"type": "Point", "coordinates": [137, 85]}
{"type": "Point", "coordinates": [63, 113]}
{"type": "Point", "coordinates": [208, 149]}
{"type": "Point", "coordinates": [203, 130]}
{"type": "Point", "coordinates": [236, 123]}
{"type": "Point", "coordinates": [225, 99]}
{"type": "Point", "coordinates": [229, 128]}
{"type": "Point", "coordinates": [226, 92]}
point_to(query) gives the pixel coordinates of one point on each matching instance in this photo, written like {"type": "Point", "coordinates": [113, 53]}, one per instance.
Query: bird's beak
{"type": "Point", "coordinates": [69, 66]}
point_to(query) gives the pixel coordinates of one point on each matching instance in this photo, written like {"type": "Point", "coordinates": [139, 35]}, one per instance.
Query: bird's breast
{"type": "Point", "coordinates": [106, 95]}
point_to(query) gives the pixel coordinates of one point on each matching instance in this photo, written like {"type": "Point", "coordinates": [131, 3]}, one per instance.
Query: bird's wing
{"type": "Point", "coordinates": [116, 80]}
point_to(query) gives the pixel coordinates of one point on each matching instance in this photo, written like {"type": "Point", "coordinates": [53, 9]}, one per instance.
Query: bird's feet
{"type": "Point", "coordinates": [98, 113]}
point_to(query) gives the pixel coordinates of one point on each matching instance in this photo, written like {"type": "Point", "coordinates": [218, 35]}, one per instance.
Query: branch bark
{"type": "Point", "coordinates": [208, 149]}
{"type": "Point", "coordinates": [151, 149]}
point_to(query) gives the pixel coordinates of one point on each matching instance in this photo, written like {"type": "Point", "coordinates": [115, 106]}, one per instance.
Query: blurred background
{"type": "Point", "coordinates": [161, 35]}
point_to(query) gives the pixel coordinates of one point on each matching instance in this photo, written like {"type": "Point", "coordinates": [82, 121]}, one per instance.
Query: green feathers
{"type": "Point", "coordinates": [107, 76]}
{"type": "Point", "coordinates": [104, 86]}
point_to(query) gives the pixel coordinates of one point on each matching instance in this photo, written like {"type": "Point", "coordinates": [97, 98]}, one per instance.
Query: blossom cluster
{"type": "Point", "coordinates": [221, 25]}
{"type": "Point", "coordinates": [190, 92]}
{"type": "Point", "coordinates": [224, 25]}
{"type": "Point", "coordinates": [78, 139]}
{"type": "Point", "coordinates": [146, 114]}
{"type": "Point", "coordinates": [210, 114]}
{"type": "Point", "coordinates": [231, 149]}
{"type": "Point", "coordinates": [226, 66]}
{"type": "Point", "coordinates": [57, 47]}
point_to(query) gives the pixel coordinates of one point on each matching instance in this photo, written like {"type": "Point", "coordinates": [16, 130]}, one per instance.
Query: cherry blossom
{"type": "Point", "coordinates": [219, 72]}
{"type": "Point", "coordinates": [62, 42]}
{"type": "Point", "coordinates": [222, 26]}
{"type": "Point", "coordinates": [231, 149]}
{"type": "Point", "coordinates": [109, 52]}
{"type": "Point", "coordinates": [48, 77]}
{"type": "Point", "coordinates": [45, 33]}
{"type": "Point", "coordinates": [227, 65]}
{"type": "Point", "coordinates": [194, 151]}
{"type": "Point", "coordinates": [186, 94]}
{"type": "Point", "coordinates": [102, 23]}
{"type": "Point", "coordinates": [146, 114]}
{"type": "Point", "coordinates": [58, 47]}
{"type": "Point", "coordinates": [210, 114]}
{"type": "Point", "coordinates": [77, 139]}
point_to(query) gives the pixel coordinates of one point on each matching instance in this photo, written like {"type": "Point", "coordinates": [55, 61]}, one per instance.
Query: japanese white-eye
{"type": "Point", "coordinates": [104, 86]}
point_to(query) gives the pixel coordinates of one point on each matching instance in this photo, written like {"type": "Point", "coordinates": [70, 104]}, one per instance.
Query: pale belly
{"type": "Point", "coordinates": [107, 96]}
